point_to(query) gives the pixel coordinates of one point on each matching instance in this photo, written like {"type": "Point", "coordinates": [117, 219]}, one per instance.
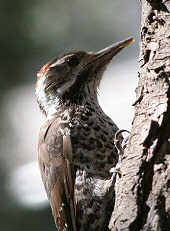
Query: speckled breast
{"type": "Point", "coordinates": [93, 140]}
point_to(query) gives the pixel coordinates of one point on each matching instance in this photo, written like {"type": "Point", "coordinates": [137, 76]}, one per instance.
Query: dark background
{"type": "Point", "coordinates": [32, 33]}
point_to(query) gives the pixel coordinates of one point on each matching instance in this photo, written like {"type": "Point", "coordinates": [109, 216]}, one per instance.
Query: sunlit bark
{"type": "Point", "coordinates": [143, 191]}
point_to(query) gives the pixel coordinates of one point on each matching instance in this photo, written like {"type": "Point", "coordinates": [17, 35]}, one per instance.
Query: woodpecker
{"type": "Point", "coordinates": [76, 143]}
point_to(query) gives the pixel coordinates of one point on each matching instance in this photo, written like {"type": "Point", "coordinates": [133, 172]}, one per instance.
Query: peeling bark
{"type": "Point", "coordinates": [143, 191]}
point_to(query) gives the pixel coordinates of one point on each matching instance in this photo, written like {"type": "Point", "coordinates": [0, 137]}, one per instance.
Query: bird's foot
{"type": "Point", "coordinates": [120, 145]}
{"type": "Point", "coordinates": [116, 170]}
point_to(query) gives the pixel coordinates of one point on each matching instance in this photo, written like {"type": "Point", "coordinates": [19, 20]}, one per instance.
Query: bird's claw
{"type": "Point", "coordinates": [116, 169]}
{"type": "Point", "coordinates": [120, 146]}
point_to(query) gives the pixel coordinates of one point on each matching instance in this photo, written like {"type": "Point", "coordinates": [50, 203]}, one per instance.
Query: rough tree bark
{"type": "Point", "coordinates": [143, 191]}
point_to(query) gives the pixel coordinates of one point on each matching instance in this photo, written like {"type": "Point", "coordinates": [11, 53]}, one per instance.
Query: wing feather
{"type": "Point", "coordinates": [56, 165]}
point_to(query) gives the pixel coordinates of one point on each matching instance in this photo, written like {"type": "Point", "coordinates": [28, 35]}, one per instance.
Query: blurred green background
{"type": "Point", "coordinates": [32, 33]}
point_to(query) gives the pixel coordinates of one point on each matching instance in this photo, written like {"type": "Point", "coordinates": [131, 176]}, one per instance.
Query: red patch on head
{"type": "Point", "coordinates": [42, 72]}
{"type": "Point", "coordinates": [36, 85]}
{"type": "Point", "coordinates": [44, 69]}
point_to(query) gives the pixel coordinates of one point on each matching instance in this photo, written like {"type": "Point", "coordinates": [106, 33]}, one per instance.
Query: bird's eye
{"type": "Point", "coordinates": [73, 61]}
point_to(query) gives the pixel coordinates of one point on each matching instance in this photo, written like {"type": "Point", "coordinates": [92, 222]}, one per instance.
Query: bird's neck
{"type": "Point", "coordinates": [51, 104]}
{"type": "Point", "coordinates": [54, 106]}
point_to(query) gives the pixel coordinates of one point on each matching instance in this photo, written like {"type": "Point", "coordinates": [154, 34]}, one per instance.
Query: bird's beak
{"type": "Point", "coordinates": [105, 55]}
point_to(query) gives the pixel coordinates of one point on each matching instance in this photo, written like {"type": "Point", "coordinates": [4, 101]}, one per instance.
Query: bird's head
{"type": "Point", "coordinates": [74, 77]}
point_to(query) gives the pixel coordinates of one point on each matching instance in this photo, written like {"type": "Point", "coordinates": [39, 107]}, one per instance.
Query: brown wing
{"type": "Point", "coordinates": [55, 160]}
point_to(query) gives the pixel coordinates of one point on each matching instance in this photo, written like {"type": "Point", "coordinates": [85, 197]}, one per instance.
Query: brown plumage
{"type": "Point", "coordinates": [76, 148]}
{"type": "Point", "coordinates": [56, 163]}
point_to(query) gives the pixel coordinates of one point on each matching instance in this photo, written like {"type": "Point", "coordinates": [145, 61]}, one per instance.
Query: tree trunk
{"type": "Point", "coordinates": [143, 191]}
